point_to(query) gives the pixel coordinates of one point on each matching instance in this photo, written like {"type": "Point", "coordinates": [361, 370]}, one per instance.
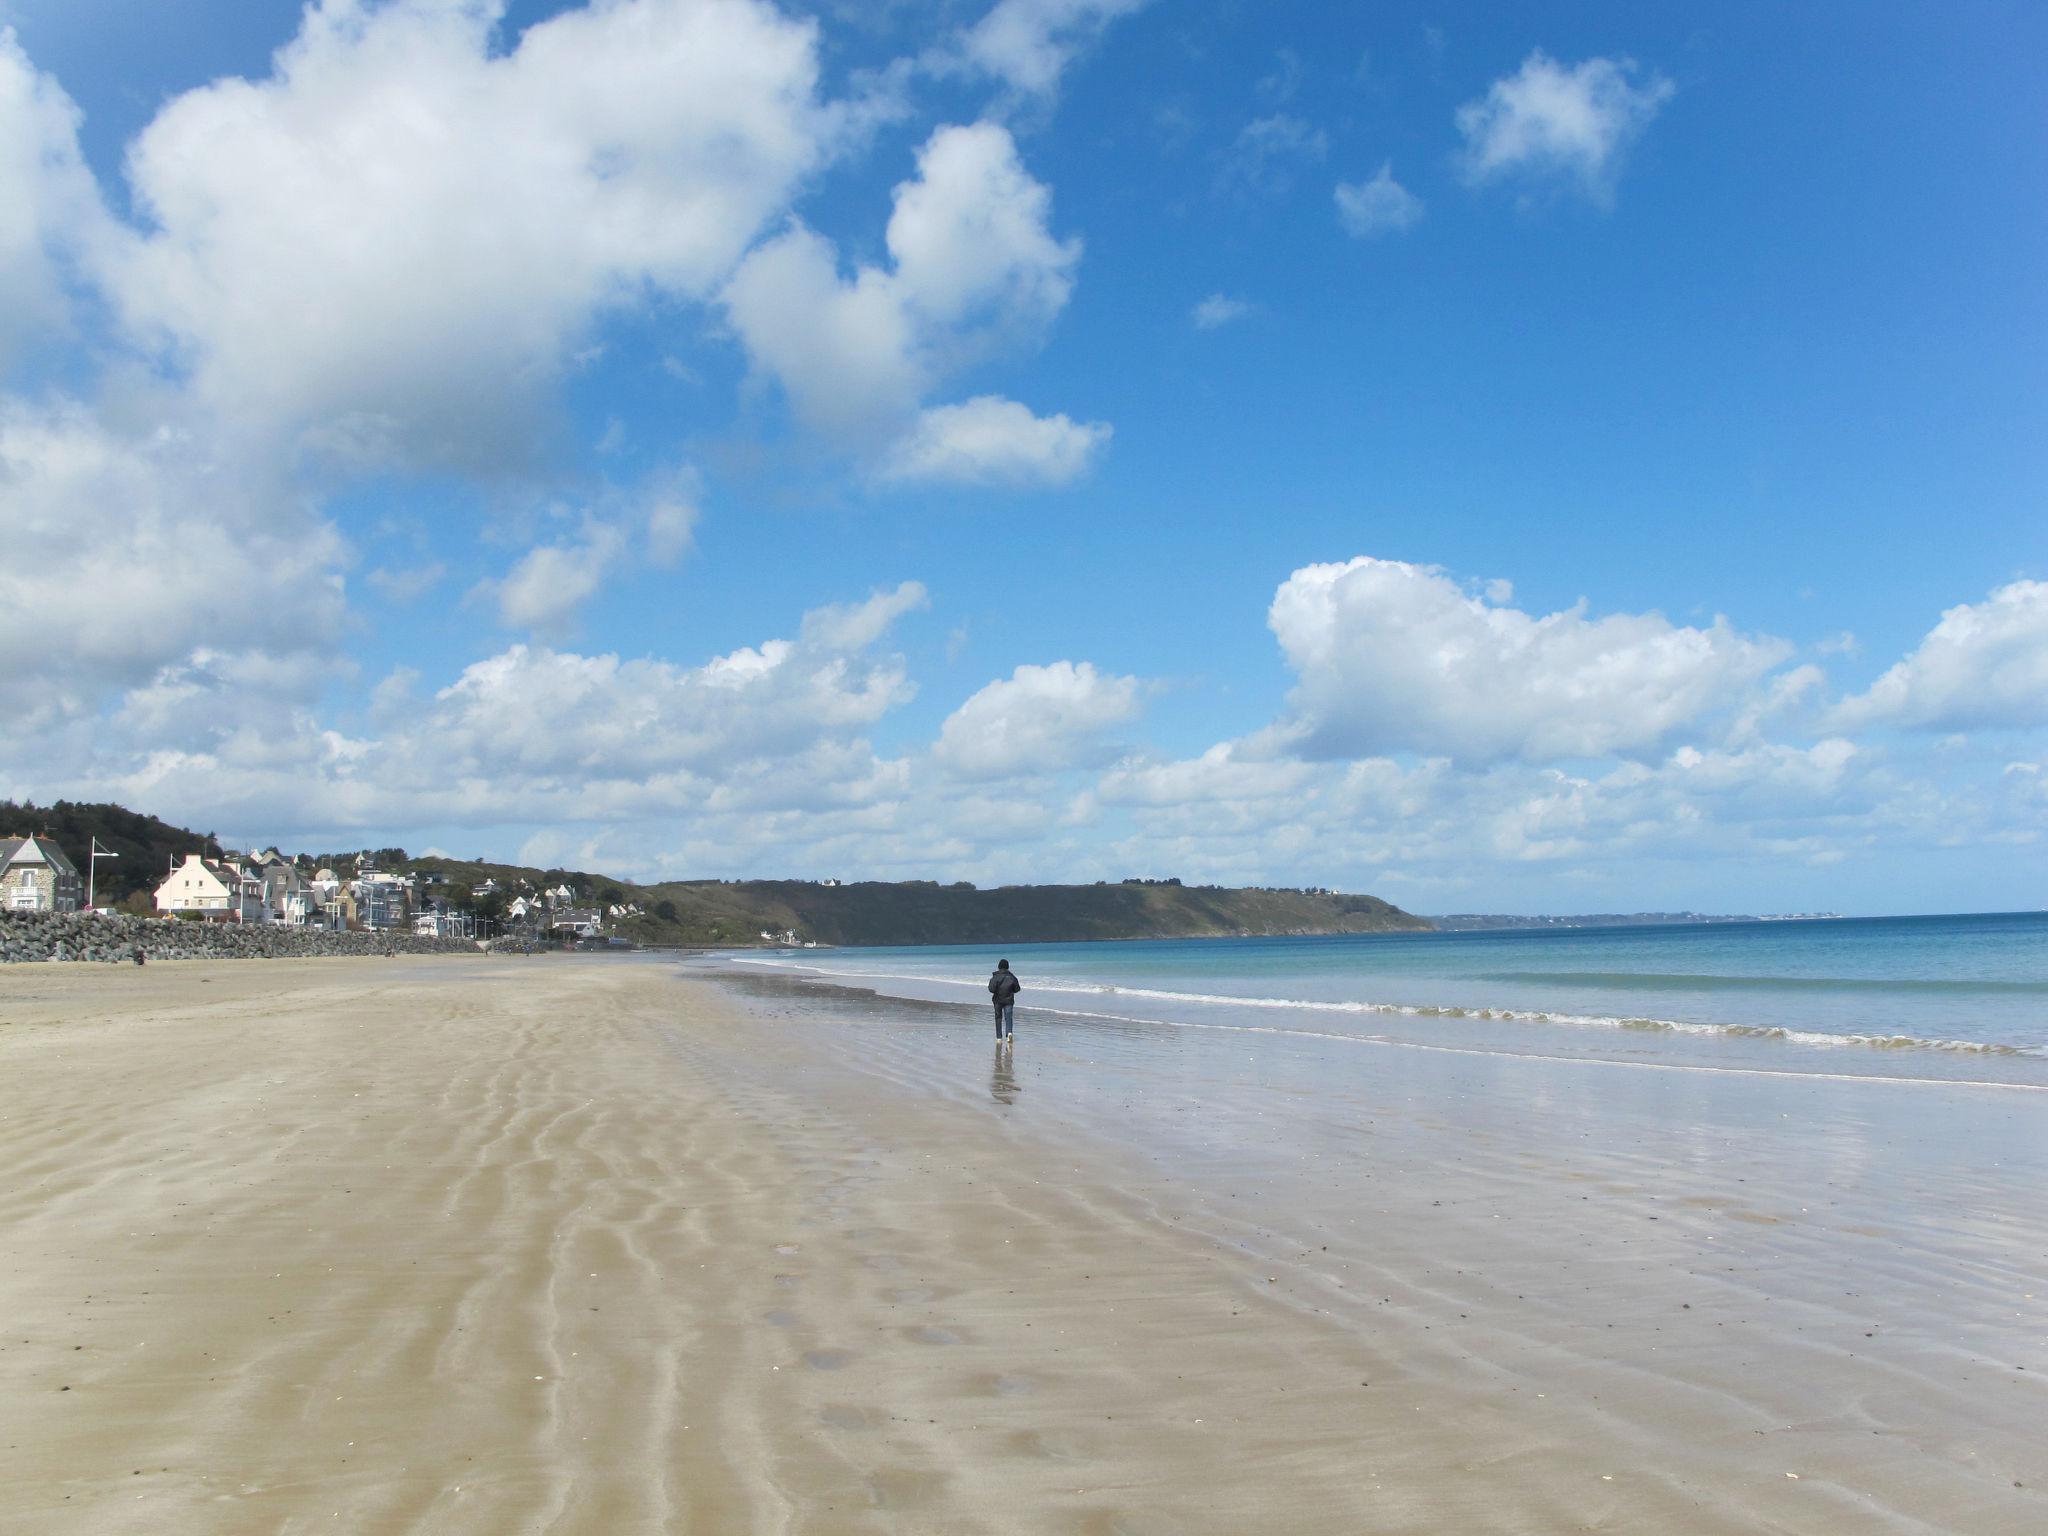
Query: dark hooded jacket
{"type": "Point", "coordinates": [1003, 987]}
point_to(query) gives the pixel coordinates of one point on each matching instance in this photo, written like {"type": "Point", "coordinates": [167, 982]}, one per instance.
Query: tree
{"type": "Point", "coordinates": [665, 910]}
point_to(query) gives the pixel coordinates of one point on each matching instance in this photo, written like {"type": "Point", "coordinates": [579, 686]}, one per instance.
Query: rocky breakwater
{"type": "Point", "coordinates": [71, 936]}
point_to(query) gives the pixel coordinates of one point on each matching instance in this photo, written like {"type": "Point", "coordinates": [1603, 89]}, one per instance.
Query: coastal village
{"type": "Point", "coordinates": [271, 888]}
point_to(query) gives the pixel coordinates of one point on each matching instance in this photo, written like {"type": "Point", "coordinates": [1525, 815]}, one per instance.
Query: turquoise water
{"type": "Point", "coordinates": [1955, 996]}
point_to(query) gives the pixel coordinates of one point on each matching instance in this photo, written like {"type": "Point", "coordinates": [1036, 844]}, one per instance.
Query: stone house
{"type": "Point", "coordinates": [36, 877]}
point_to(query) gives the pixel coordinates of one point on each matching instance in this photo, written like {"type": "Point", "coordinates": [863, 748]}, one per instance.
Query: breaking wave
{"type": "Point", "coordinates": [1806, 1037]}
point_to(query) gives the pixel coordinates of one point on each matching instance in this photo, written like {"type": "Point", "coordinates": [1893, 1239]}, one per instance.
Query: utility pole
{"type": "Point", "coordinates": [92, 864]}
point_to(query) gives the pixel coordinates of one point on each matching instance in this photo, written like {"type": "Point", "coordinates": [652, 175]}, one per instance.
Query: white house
{"type": "Point", "coordinates": [36, 877]}
{"type": "Point", "coordinates": [217, 891]}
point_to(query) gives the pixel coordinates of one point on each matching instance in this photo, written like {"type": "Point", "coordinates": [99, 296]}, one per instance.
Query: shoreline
{"type": "Point", "coordinates": [478, 1246]}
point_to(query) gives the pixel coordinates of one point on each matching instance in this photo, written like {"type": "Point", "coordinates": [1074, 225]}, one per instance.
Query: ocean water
{"type": "Point", "coordinates": [1946, 997]}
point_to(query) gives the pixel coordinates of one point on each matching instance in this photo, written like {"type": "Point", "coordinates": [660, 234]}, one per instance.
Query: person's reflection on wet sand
{"type": "Point", "coordinates": [1002, 1081]}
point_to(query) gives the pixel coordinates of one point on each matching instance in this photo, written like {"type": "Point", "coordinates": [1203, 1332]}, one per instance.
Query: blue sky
{"type": "Point", "coordinates": [1509, 462]}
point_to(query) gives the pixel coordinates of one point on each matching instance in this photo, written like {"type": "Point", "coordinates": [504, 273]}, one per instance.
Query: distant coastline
{"type": "Point", "coordinates": [1475, 922]}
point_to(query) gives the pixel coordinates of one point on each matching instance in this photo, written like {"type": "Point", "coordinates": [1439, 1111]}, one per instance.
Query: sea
{"type": "Point", "coordinates": [1952, 998]}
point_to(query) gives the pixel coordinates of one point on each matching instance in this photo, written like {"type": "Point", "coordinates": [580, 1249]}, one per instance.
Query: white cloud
{"type": "Point", "coordinates": [1984, 666]}
{"type": "Point", "coordinates": [534, 735]}
{"type": "Point", "coordinates": [1379, 206]}
{"type": "Point", "coordinates": [1396, 657]}
{"type": "Point", "coordinates": [671, 517]}
{"type": "Point", "coordinates": [407, 584]}
{"type": "Point", "coordinates": [1219, 310]}
{"type": "Point", "coordinates": [543, 591]}
{"type": "Point", "coordinates": [843, 628]}
{"type": "Point", "coordinates": [1225, 775]}
{"type": "Point", "coordinates": [396, 241]}
{"type": "Point", "coordinates": [974, 269]}
{"type": "Point", "coordinates": [1267, 152]}
{"type": "Point", "coordinates": [1038, 720]}
{"type": "Point", "coordinates": [1028, 44]}
{"type": "Point", "coordinates": [50, 208]}
{"type": "Point", "coordinates": [126, 554]}
{"type": "Point", "coordinates": [1547, 120]}
{"type": "Point", "coordinates": [989, 440]}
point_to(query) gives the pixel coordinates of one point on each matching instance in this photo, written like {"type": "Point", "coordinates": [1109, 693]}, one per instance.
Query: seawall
{"type": "Point", "coordinates": [26, 936]}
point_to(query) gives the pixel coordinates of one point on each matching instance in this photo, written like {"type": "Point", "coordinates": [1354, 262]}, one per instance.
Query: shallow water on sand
{"type": "Point", "coordinates": [1960, 998]}
{"type": "Point", "coordinates": [1722, 1275]}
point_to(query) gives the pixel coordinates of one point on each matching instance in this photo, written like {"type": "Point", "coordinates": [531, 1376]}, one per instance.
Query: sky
{"type": "Point", "coordinates": [1587, 458]}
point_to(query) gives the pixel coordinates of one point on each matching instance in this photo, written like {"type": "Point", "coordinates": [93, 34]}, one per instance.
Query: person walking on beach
{"type": "Point", "coordinates": [1003, 988]}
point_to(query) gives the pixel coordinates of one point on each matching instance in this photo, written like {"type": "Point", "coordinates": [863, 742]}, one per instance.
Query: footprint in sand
{"type": "Point", "coordinates": [826, 1359]}
{"type": "Point", "coordinates": [926, 1334]}
{"type": "Point", "coordinates": [779, 1318]}
{"type": "Point", "coordinates": [787, 1280]}
{"type": "Point", "coordinates": [912, 1295]}
{"type": "Point", "coordinates": [786, 1249]}
{"type": "Point", "coordinates": [1013, 1386]}
{"type": "Point", "coordinates": [844, 1416]}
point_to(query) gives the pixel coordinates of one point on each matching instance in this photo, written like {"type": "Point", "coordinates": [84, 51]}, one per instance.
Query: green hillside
{"type": "Point", "coordinates": [147, 847]}
{"type": "Point", "coordinates": [734, 913]}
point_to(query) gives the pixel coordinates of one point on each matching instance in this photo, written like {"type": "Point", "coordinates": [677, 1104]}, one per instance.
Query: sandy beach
{"type": "Point", "coordinates": [578, 1246]}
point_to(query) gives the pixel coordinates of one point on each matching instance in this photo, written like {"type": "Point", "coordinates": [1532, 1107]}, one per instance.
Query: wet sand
{"type": "Point", "coordinates": [576, 1246]}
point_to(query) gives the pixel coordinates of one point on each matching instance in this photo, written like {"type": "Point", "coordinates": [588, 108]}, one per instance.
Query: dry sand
{"type": "Point", "coordinates": [570, 1246]}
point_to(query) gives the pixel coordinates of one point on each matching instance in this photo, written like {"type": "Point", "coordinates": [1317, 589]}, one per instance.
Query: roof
{"type": "Point", "coordinates": [35, 850]}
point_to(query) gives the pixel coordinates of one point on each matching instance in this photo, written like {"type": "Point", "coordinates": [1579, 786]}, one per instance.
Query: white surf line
{"type": "Point", "coordinates": [1563, 1061]}
{"type": "Point", "coordinates": [1484, 1014]}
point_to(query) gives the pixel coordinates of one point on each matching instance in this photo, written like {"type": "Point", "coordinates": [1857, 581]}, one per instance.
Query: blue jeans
{"type": "Point", "coordinates": [1006, 1018]}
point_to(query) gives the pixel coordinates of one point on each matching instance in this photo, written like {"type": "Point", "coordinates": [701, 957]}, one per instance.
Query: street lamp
{"type": "Point", "coordinates": [92, 869]}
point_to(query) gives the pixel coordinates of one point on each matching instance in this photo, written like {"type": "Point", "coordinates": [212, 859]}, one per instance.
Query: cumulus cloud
{"type": "Point", "coordinates": [1984, 666]}
{"type": "Point", "coordinates": [974, 268]}
{"type": "Point", "coordinates": [1028, 44]}
{"type": "Point", "coordinates": [670, 517]}
{"type": "Point", "coordinates": [534, 734]}
{"type": "Point", "coordinates": [543, 591]}
{"type": "Point", "coordinates": [1038, 720]}
{"type": "Point", "coordinates": [1396, 657]}
{"type": "Point", "coordinates": [52, 210]}
{"type": "Point", "coordinates": [1549, 120]}
{"type": "Point", "coordinates": [1379, 206]}
{"type": "Point", "coordinates": [407, 584]}
{"type": "Point", "coordinates": [1266, 155]}
{"type": "Point", "coordinates": [130, 552]}
{"type": "Point", "coordinates": [992, 441]}
{"type": "Point", "coordinates": [396, 240]}
{"type": "Point", "coordinates": [1219, 310]}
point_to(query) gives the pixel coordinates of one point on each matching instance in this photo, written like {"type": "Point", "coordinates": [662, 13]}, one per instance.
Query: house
{"type": "Point", "coordinates": [382, 900]}
{"type": "Point", "coordinates": [435, 921]}
{"type": "Point", "coordinates": [287, 898]}
{"type": "Point", "coordinates": [218, 891]}
{"type": "Point", "coordinates": [582, 922]}
{"type": "Point", "coordinates": [36, 877]}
